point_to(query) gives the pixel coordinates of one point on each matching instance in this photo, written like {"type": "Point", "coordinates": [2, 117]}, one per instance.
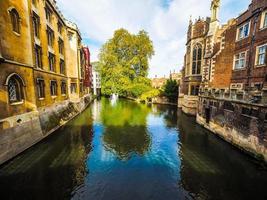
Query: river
{"type": "Point", "coordinates": [129, 151]}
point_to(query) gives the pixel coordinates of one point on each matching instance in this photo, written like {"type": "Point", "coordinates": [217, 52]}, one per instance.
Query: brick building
{"type": "Point", "coordinates": [232, 99]}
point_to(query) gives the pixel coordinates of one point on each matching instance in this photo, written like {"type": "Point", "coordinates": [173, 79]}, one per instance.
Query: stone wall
{"type": "Point", "coordinates": [241, 124]}
{"type": "Point", "coordinates": [189, 104]}
{"type": "Point", "coordinates": [20, 132]}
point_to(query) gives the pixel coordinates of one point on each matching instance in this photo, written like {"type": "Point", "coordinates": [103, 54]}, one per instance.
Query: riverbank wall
{"type": "Point", "coordinates": [241, 124]}
{"type": "Point", "coordinates": [21, 132]}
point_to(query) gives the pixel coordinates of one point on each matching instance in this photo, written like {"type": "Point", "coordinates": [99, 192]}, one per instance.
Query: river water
{"type": "Point", "coordinates": [129, 151]}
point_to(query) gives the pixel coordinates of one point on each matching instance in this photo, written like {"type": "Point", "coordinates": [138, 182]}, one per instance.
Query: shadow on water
{"type": "Point", "coordinates": [213, 169]}
{"type": "Point", "coordinates": [53, 168]}
{"type": "Point", "coordinates": [129, 151]}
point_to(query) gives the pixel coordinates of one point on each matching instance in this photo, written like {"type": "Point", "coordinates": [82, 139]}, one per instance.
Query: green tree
{"type": "Point", "coordinates": [171, 90]}
{"type": "Point", "coordinates": [124, 64]}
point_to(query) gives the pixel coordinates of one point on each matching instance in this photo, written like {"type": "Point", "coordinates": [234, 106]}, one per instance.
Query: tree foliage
{"type": "Point", "coordinates": [171, 90]}
{"type": "Point", "coordinates": [124, 64]}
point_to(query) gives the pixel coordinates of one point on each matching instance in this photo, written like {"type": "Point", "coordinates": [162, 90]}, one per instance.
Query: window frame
{"type": "Point", "coordinates": [238, 37]}
{"type": "Point", "coordinates": [245, 60]}
{"type": "Point", "coordinates": [15, 20]}
{"type": "Point", "coordinates": [19, 91]}
{"type": "Point", "coordinates": [38, 50]}
{"type": "Point", "coordinates": [40, 90]}
{"type": "Point", "coordinates": [63, 89]}
{"type": "Point", "coordinates": [53, 91]}
{"type": "Point", "coordinates": [257, 64]}
{"type": "Point", "coordinates": [52, 65]}
{"type": "Point", "coordinates": [197, 59]}
{"type": "Point", "coordinates": [50, 36]}
{"type": "Point", "coordinates": [36, 27]}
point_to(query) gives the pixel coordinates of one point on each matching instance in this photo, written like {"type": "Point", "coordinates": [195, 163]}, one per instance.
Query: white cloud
{"type": "Point", "coordinates": [167, 27]}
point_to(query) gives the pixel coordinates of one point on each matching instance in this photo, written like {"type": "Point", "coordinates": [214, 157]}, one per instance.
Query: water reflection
{"type": "Point", "coordinates": [213, 169]}
{"type": "Point", "coordinates": [132, 151]}
{"type": "Point", "coordinates": [133, 138]}
{"type": "Point", "coordinates": [53, 168]}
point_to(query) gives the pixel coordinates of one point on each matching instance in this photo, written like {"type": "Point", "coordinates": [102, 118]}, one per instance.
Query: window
{"type": "Point", "coordinates": [38, 56]}
{"type": "Point", "coordinates": [63, 88]}
{"type": "Point", "coordinates": [194, 90]}
{"type": "Point", "coordinates": [14, 15]}
{"type": "Point", "coordinates": [261, 55]}
{"type": "Point", "coordinates": [50, 36]}
{"type": "Point", "coordinates": [265, 20]}
{"type": "Point", "coordinates": [53, 88]}
{"type": "Point", "coordinates": [61, 46]}
{"type": "Point", "coordinates": [36, 25]}
{"type": "Point", "coordinates": [48, 14]}
{"type": "Point", "coordinates": [243, 31]}
{"type": "Point", "coordinates": [59, 27]}
{"type": "Point", "coordinates": [73, 88]}
{"type": "Point", "coordinates": [62, 66]}
{"type": "Point", "coordinates": [51, 61]}
{"type": "Point", "coordinates": [15, 89]}
{"type": "Point", "coordinates": [197, 57]}
{"type": "Point", "coordinates": [40, 88]}
{"type": "Point", "coordinates": [240, 60]}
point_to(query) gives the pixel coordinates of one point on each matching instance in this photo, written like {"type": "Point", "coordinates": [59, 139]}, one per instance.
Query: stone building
{"type": "Point", "coordinates": [75, 56]}
{"type": "Point", "coordinates": [193, 65]}
{"type": "Point", "coordinates": [232, 101]}
{"type": "Point", "coordinates": [36, 66]}
{"type": "Point", "coordinates": [17, 94]}
{"type": "Point", "coordinates": [158, 82]}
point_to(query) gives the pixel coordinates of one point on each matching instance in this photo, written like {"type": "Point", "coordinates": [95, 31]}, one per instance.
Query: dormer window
{"type": "Point", "coordinates": [243, 31]}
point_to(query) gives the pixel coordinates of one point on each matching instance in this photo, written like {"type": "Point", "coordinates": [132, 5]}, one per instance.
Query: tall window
{"type": "Point", "coordinates": [73, 88]}
{"type": "Point", "coordinates": [48, 14]}
{"type": "Point", "coordinates": [62, 66]}
{"type": "Point", "coordinates": [60, 27]}
{"type": "Point", "coordinates": [15, 89]}
{"type": "Point", "coordinates": [194, 90]}
{"type": "Point", "coordinates": [38, 56]}
{"type": "Point", "coordinates": [36, 25]}
{"type": "Point", "coordinates": [53, 88]}
{"type": "Point", "coordinates": [240, 60]}
{"type": "Point", "coordinates": [61, 46]}
{"type": "Point", "coordinates": [50, 36]}
{"type": "Point", "coordinates": [243, 31]}
{"type": "Point", "coordinates": [14, 15]}
{"type": "Point", "coordinates": [261, 55]}
{"type": "Point", "coordinates": [51, 61]}
{"type": "Point", "coordinates": [197, 57]}
{"type": "Point", "coordinates": [63, 88]}
{"type": "Point", "coordinates": [40, 88]}
{"type": "Point", "coordinates": [264, 19]}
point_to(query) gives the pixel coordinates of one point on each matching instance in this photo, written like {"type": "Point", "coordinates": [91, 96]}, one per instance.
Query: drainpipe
{"type": "Point", "coordinates": [252, 41]}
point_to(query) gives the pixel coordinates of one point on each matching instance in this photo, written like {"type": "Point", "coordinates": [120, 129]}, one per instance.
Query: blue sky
{"type": "Point", "coordinates": [165, 21]}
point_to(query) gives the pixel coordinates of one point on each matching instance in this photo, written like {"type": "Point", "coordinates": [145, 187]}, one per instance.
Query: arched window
{"type": "Point", "coordinates": [197, 57]}
{"type": "Point", "coordinates": [15, 88]}
{"type": "Point", "coordinates": [14, 15]}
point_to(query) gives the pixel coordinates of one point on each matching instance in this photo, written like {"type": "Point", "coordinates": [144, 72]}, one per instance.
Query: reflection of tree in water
{"type": "Point", "coordinates": [126, 131]}
{"type": "Point", "coordinates": [53, 168]}
{"type": "Point", "coordinates": [212, 169]}
{"type": "Point", "coordinates": [169, 114]}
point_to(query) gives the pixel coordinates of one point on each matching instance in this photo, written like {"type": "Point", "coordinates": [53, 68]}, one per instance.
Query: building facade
{"type": "Point", "coordinates": [232, 93]}
{"type": "Point", "coordinates": [96, 80]}
{"type": "Point", "coordinates": [40, 55]}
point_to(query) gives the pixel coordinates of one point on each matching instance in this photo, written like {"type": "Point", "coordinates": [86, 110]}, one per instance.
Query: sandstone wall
{"type": "Point", "coordinates": [20, 132]}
